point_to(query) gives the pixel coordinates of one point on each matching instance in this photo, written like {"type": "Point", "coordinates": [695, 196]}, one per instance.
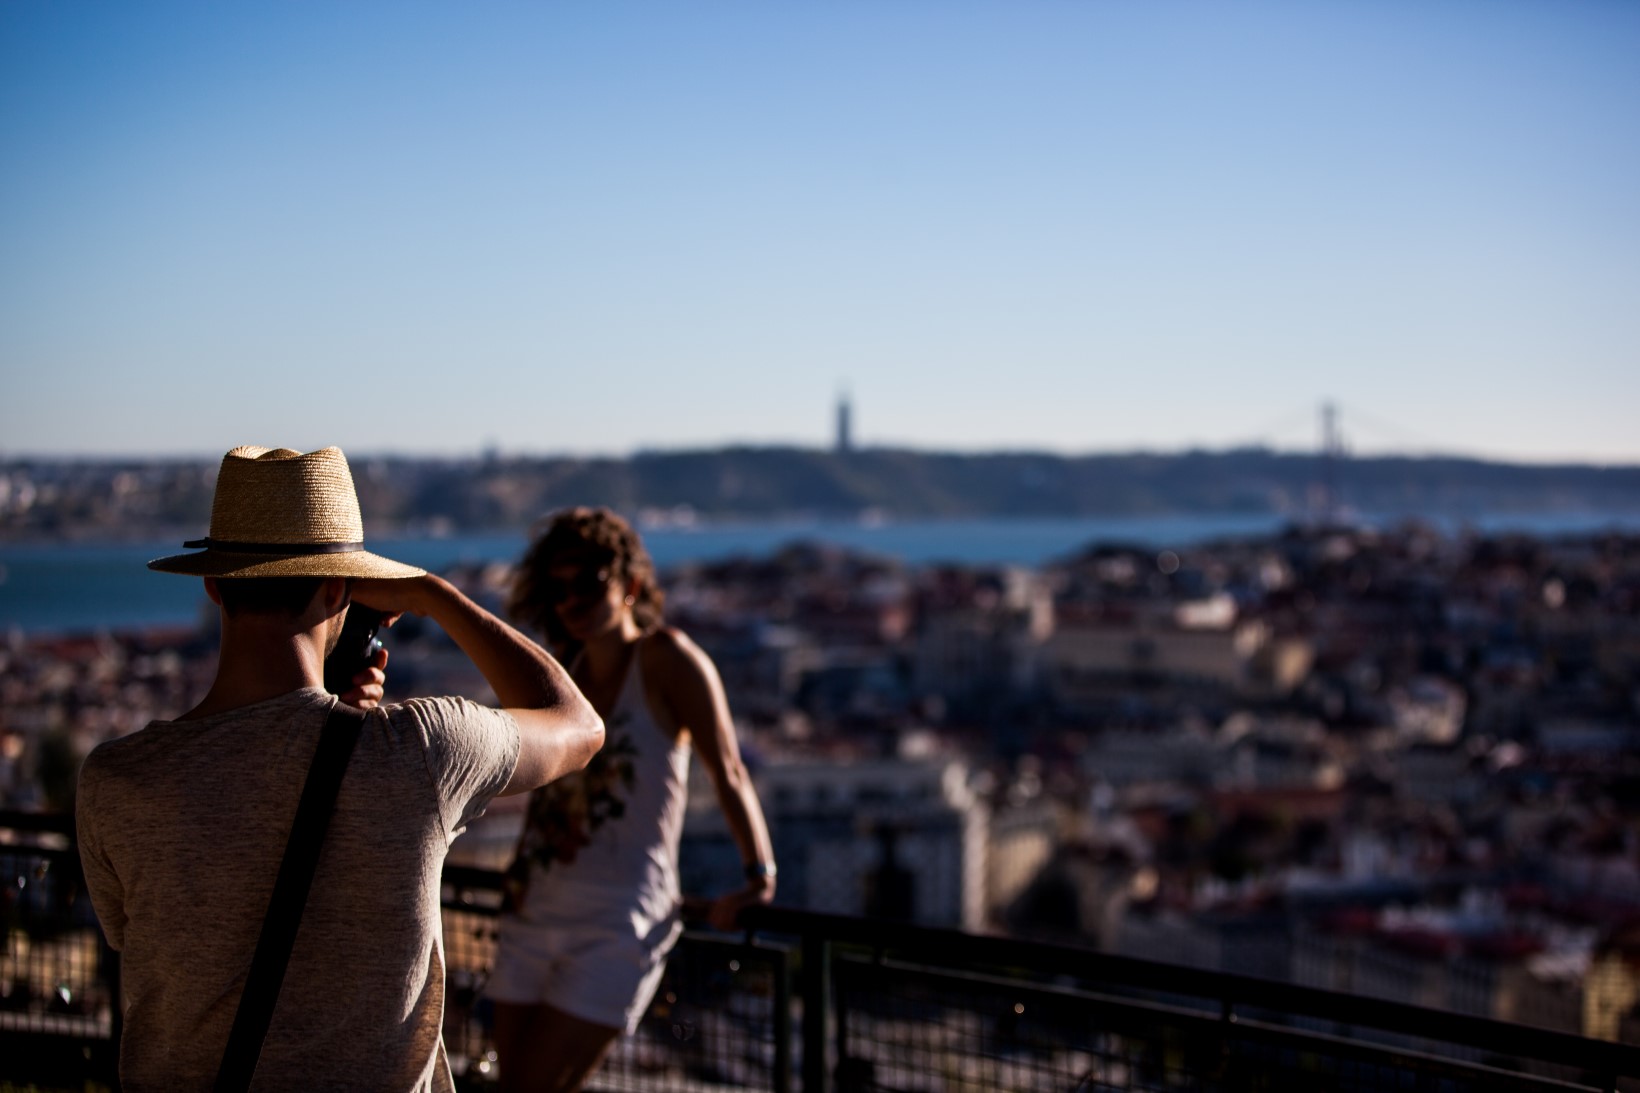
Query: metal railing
{"type": "Point", "coordinates": [826, 1003]}
{"type": "Point", "coordinates": [896, 1007]}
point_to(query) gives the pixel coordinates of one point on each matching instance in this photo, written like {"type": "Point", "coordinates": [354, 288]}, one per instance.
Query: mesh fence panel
{"type": "Point", "coordinates": [903, 1029]}
{"type": "Point", "coordinates": [469, 953]}
{"type": "Point", "coordinates": [56, 975]}
{"type": "Point", "coordinates": [716, 1023]}
{"type": "Point", "coordinates": [718, 1020]}
{"type": "Point", "coordinates": [53, 965]}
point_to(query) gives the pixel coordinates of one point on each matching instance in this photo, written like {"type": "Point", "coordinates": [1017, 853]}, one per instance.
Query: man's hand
{"type": "Point", "coordinates": [392, 597]}
{"type": "Point", "coordinates": [559, 731]}
{"type": "Point", "coordinates": [369, 685]}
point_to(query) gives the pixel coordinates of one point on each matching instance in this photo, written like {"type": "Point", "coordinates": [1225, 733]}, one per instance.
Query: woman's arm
{"type": "Point", "coordinates": [688, 684]}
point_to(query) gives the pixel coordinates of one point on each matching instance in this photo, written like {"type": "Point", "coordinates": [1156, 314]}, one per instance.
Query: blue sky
{"type": "Point", "coordinates": [600, 227]}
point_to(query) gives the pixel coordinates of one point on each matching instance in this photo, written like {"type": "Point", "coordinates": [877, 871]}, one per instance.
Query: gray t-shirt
{"type": "Point", "coordinates": [182, 827]}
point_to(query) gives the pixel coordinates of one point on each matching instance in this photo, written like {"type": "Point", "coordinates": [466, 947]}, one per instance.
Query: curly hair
{"type": "Point", "coordinates": [589, 536]}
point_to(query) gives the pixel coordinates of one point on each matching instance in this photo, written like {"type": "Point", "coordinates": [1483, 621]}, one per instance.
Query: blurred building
{"type": "Point", "coordinates": [979, 637]}
{"type": "Point", "coordinates": [900, 838]}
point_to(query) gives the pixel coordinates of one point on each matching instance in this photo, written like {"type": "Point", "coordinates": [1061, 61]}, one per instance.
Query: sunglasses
{"type": "Point", "coordinates": [585, 585]}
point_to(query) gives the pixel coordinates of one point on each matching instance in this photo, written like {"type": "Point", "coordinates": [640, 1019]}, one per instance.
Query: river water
{"type": "Point", "coordinates": [81, 587]}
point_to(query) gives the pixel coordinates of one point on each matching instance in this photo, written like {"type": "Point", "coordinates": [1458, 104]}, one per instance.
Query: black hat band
{"type": "Point", "coordinates": [230, 547]}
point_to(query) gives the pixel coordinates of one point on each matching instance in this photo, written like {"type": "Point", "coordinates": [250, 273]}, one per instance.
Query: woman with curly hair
{"type": "Point", "coordinates": [593, 893]}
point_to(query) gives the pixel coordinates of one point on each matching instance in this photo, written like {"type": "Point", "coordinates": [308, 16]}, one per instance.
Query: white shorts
{"type": "Point", "coordinates": [598, 972]}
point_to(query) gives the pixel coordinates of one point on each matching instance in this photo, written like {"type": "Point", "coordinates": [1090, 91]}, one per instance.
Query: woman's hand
{"type": "Point", "coordinates": [723, 913]}
{"type": "Point", "coordinates": [369, 685]}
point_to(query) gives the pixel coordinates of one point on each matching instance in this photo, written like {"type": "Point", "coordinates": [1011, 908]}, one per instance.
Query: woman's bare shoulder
{"type": "Point", "coordinates": [669, 653]}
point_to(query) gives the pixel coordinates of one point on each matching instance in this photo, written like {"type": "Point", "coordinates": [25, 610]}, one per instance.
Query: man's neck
{"type": "Point", "coordinates": [259, 661]}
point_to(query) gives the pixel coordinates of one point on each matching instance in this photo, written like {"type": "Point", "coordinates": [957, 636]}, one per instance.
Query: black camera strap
{"type": "Point", "coordinates": [290, 894]}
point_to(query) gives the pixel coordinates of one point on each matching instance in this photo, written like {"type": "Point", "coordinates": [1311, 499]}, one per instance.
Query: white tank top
{"type": "Point", "coordinates": [628, 805]}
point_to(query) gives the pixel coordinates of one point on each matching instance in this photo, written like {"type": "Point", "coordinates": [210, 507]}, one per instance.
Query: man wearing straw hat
{"type": "Point", "coordinates": [183, 825]}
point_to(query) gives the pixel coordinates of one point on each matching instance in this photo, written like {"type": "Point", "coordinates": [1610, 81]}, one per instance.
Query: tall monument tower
{"type": "Point", "coordinates": [845, 424]}
{"type": "Point", "coordinates": [1332, 454]}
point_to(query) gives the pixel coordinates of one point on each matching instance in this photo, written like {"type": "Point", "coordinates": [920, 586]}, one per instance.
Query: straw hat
{"type": "Point", "coordinates": [279, 513]}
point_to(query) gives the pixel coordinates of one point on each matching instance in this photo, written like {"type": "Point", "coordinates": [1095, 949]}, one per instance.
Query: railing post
{"type": "Point", "coordinates": [782, 1022]}
{"type": "Point", "coordinates": [816, 1011]}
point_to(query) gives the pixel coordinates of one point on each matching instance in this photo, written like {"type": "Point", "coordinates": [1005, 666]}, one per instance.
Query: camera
{"type": "Point", "coordinates": [355, 649]}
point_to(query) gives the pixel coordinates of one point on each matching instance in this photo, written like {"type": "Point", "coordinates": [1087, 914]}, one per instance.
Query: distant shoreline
{"type": "Point", "coordinates": [105, 501]}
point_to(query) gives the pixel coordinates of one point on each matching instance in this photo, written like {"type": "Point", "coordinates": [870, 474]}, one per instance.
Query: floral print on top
{"type": "Point", "coordinates": [563, 814]}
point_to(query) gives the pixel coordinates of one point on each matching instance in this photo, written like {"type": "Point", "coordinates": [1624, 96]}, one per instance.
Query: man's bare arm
{"type": "Point", "coordinates": [559, 730]}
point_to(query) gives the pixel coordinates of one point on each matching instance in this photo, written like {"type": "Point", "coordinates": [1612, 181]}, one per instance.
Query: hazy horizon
{"type": "Point", "coordinates": [357, 455]}
{"type": "Point", "coordinates": [1091, 228]}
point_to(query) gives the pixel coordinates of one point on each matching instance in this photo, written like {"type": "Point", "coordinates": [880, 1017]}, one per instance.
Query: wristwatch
{"type": "Point", "coordinates": [757, 870]}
